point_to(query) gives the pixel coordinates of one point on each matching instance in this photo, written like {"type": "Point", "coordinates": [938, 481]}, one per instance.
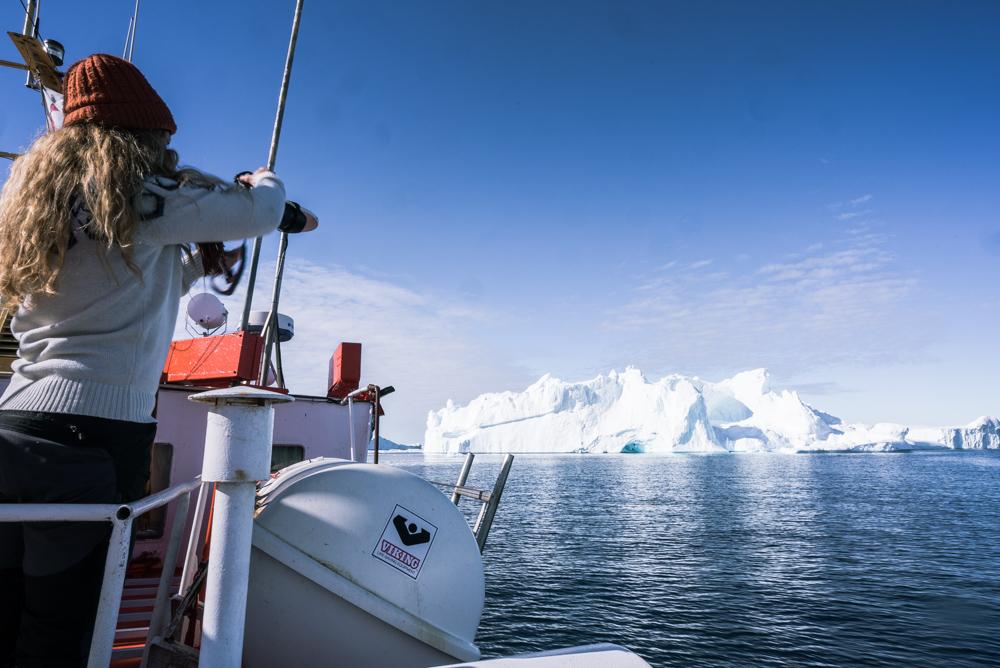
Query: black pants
{"type": "Point", "coordinates": [51, 572]}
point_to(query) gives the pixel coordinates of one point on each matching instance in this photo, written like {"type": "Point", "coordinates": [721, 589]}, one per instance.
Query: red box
{"type": "Point", "coordinates": [214, 360]}
{"type": "Point", "coordinates": [345, 370]}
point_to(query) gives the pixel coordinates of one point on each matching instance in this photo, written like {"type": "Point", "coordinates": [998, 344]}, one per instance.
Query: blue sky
{"type": "Point", "coordinates": [509, 189]}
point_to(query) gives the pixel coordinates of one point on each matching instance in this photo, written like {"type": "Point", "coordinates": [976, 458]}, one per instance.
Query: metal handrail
{"type": "Point", "coordinates": [59, 512]}
{"type": "Point", "coordinates": [119, 546]}
{"type": "Point", "coordinates": [489, 509]}
{"type": "Point", "coordinates": [145, 504]}
{"type": "Point", "coordinates": [91, 512]}
{"type": "Point", "coordinates": [490, 500]}
{"type": "Point", "coordinates": [463, 476]}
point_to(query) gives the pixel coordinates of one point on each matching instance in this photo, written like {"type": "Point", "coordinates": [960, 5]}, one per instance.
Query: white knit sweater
{"type": "Point", "coordinates": [97, 347]}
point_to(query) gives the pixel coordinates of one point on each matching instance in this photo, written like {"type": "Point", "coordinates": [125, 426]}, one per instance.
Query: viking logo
{"type": "Point", "coordinates": [409, 532]}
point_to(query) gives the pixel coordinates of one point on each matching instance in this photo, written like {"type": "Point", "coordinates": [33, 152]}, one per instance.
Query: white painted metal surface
{"type": "Point", "coordinates": [111, 590]}
{"type": "Point", "coordinates": [237, 455]}
{"type": "Point", "coordinates": [238, 438]}
{"type": "Point", "coordinates": [120, 517]}
{"type": "Point", "coordinates": [336, 573]}
{"type": "Point", "coordinates": [320, 428]}
{"type": "Point", "coordinates": [589, 656]}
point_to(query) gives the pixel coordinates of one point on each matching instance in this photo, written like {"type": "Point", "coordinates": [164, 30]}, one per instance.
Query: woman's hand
{"type": "Point", "coordinates": [248, 179]}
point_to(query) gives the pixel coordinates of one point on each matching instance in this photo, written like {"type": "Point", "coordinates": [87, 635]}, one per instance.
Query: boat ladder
{"type": "Point", "coordinates": [489, 500]}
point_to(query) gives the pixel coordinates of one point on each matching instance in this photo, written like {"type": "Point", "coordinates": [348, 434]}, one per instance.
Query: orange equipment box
{"type": "Point", "coordinates": [345, 370]}
{"type": "Point", "coordinates": [214, 360]}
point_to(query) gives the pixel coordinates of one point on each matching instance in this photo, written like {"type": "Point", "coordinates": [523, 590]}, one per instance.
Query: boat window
{"type": "Point", "coordinates": [161, 456]}
{"type": "Point", "coordinates": [283, 455]}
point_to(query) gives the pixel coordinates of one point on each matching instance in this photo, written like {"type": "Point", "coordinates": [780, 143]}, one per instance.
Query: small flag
{"type": "Point", "coordinates": [53, 109]}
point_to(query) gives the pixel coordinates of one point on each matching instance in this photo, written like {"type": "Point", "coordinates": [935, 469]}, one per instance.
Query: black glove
{"type": "Point", "coordinates": [294, 220]}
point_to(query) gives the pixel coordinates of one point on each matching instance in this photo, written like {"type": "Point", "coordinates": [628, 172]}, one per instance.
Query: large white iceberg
{"type": "Point", "coordinates": [625, 412]}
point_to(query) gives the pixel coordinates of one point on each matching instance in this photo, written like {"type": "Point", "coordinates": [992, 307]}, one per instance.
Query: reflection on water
{"type": "Point", "coordinates": [763, 560]}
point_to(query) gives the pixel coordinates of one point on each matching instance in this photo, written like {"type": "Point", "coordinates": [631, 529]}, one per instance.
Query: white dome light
{"type": "Point", "coordinates": [207, 311]}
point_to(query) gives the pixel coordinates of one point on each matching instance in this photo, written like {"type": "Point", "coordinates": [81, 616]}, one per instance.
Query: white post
{"type": "Point", "coordinates": [237, 455]}
{"type": "Point", "coordinates": [102, 644]}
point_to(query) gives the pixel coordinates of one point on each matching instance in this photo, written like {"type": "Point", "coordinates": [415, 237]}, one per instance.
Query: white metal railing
{"type": "Point", "coordinates": [489, 500]}
{"type": "Point", "coordinates": [237, 455]}
{"type": "Point", "coordinates": [121, 517]}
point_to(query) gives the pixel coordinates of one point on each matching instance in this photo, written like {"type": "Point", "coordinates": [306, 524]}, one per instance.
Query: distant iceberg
{"type": "Point", "coordinates": [385, 444]}
{"type": "Point", "coordinates": [625, 412]}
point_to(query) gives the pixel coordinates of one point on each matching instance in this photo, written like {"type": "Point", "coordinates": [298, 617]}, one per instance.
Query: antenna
{"type": "Point", "coordinates": [128, 36]}
{"type": "Point", "coordinates": [133, 23]}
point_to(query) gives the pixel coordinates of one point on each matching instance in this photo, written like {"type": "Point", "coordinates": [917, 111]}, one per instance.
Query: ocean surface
{"type": "Point", "coordinates": [744, 560]}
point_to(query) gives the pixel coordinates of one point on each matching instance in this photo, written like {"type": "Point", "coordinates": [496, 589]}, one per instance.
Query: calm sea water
{"type": "Point", "coordinates": [755, 560]}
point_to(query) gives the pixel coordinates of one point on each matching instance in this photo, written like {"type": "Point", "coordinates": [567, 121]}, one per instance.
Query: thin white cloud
{"type": "Point", "coordinates": [429, 347]}
{"type": "Point", "coordinates": [852, 203]}
{"type": "Point", "coordinates": [850, 215]}
{"type": "Point", "coordinates": [850, 302]}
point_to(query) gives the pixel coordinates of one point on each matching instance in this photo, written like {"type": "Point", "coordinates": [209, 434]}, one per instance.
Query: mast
{"type": "Point", "coordinates": [29, 29]}
{"type": "Point", "coordinates": [270, 329]}
{"type": "Point", "coordinates": [29, 18]}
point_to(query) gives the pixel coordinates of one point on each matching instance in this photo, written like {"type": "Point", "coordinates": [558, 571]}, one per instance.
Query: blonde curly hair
{"type": "Point", "coordinates": [103, 167]}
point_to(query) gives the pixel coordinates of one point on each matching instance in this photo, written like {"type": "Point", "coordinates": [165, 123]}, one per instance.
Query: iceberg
{"type": "Point", "coordinates": [385, 444]}
{"type": "Point", "coordinates": [626, 412]}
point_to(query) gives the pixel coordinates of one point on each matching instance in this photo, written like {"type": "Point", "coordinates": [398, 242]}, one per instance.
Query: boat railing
{"type": "Point", "coordinates": [121, 517]}
{"type": "Point", "coordinates": [489, 499]}
{"type": "Point", "coordinates": [237, 456]}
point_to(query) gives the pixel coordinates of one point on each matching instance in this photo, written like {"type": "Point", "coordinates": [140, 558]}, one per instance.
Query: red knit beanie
{"type": "Point", "coordinates": [110, 91]}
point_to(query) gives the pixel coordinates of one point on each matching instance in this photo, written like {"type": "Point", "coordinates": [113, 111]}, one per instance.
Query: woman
{"type": "Point", "coordinates": [96, 228]}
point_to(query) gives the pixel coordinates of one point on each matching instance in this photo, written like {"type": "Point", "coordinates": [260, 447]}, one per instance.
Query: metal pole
{"type": "Point", "coordinates": [463, 476]}
{"type": "Point", "coordinates": [376, 392]}
{"type": "Point", "coordinates": [29, 18]}
{"type": "Point", "coordinates": [485, 519]}
{"type": "Point", "coordinates": [135, 26]}
{"type": "Point", "coordinates": [272, 154]}
{"type": "Point", "coordinates": [29, 30]}
{"type": "Point", "coordinates": [191, 558]}
{"type": "Point", "coordinates": [279, 368]}
{"type": "Point", "coordinates": [128, 36]}
{"type": "Point", "coordinates": [350, 427]}
{"type": "Point", "coordinates": [237, 455]}
{"type": "Point", "coordinates": [61, 512]}
{"type": "Point", "coordinates": [102, 644]}
{"type": "Point", "coordinates": [270, 330]}
{"type": "Point", "coordinates": [161, 608]}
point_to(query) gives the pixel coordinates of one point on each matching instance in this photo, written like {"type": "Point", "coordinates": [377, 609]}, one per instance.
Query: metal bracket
{"type": "Point", "coordinates": [37, 61]}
